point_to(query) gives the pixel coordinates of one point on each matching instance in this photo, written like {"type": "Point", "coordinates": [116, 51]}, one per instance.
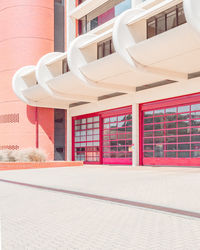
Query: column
{"type": "Point", "coordinates": [69, 136]}
{"type": "Point", "coordinates": [135, 135]}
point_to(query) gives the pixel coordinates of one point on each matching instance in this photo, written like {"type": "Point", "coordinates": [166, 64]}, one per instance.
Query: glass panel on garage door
{"type": "Point", "coordinates": [87, 140]}
{"type": "Point", "coordinates": [171, 135]}
{"type": "Point", "coordinates": [117, 139]}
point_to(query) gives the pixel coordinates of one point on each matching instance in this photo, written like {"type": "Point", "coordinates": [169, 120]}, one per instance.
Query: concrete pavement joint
{"type": "Point", "coordinates": [153, 207]}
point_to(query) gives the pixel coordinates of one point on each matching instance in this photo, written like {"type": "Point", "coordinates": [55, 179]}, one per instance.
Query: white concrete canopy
{"type": "Point", "coordinates": [138, 61]}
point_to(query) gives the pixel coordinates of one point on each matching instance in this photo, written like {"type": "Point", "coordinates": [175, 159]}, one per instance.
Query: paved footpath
{"type": "Point", "coordinates": [53, 214]}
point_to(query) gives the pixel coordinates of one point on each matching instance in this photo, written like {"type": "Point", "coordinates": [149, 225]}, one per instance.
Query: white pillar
{"type": "Point", "coordinates": [135, 134]}
{"type": "Point", "coordinates": [69, 136]}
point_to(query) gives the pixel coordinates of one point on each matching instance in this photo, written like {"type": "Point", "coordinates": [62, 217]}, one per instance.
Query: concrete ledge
{"type": "Point", "coordinates": [34, 165]}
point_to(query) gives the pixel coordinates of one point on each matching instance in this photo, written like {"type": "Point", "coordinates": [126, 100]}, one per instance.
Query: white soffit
{"type": "Point", "coordinates": [173, 46]}
{"type": "Point", "coordinates": [35, 93]}
{"type": "Point", "coordinates": [105, 67]}
{"type": "Point", "coordinates": [85, 8]}
{"type": "Point", "coordinates": [134, 78]}
{"type": "Point", "coordinates": [69, 84]}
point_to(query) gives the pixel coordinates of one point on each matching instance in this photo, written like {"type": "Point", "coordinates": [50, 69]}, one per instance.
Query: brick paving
{"type": "Point", "coordinates": [38, 219]}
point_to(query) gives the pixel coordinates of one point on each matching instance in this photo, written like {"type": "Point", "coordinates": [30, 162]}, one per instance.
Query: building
{"type": "Point", "coordinates": [129, 82]}
{"type": "Point", "coordinates": [24, 42]}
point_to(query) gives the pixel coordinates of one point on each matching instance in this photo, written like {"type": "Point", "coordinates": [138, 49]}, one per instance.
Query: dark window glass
{"type": "Point", "coordinates": [182, 109]}
{"type": "Point", "coordinates": [184, 139]}
{"type": "Point", "coordinates": [159, 140]}
{"type": "Point", "coordinates": [158, 133]}
{"type": "Point", "coordinates": [195, 123]}
{"type": "Point", "coordinates": [94, 23]}
{"type": "Point", "coordinates": [184, 131]}
{"type": "Point", "coordinates": [159, 154]}
{"type": "Point", "coordinates": [195, 154]}
{"type": "Point", "coordinates": [148, 114]}
{"type": "Point", "coordinates": [171, 147]}
{"type": "Point", "coordinates": [171, 139]}
{"type": "Point", "coordinates": [183, 124]}
{"type": "Point", "coordinates": [185, 116]}
{"type": "Point", "coordinates": [195, 146]}
{"type": "Point", "coordinates": [195, 130]}
{"type": "Point", "coordinates": [195, 107]}
{"type": "Point", "coordinates": [195, 115]}
{"type": "Point", "coordinates": [170, 111]}
{"type": "Point", "coordinates": [158, 150]}
{"type": "Point", "coordinates": [148, 127]}
{"type": "Point", "coordinates": [159, 119]}
{"type": "Point", "coordinates": [161, 24]}
{"type": "Point", "coordinates": [195, 138]}
{"type": "Point", "coordinates": [148, 147]}
{"type": "Point", "coordinates": [149, 120]}
{"type": "Point", "coordinates": [171, 20]}
{"type": "Point", "coordinates": [148, 154]}
{"type": "Point", "coordinates": [171, 154]}
{"type": "Point", "coordinates": [171, 125]}
{"type": "Point", "coordinates": [183, 154]}
{"type": "Point", "coordinates": [171, 118]}
{"type": "Point", "coordinates": [100, 51]}
{"type": "Point", "coordinates": [159, 112]}
{"type": "Point", "coordinates": [159, 126]}
{"type": "Point", "coordinates": [148, 141]}
{"type": "Point", "coordinates": [184, 147]}
{"type": "Point", "coordinates": [151, 29]}
{"type": "Point", "coordinates": [170, 132]}
{"type": "Point", "coordinates": [148, 134]}
{"type": "Point", "coordinates": [181, 15]}
{"type": "Point", "coordinates": [165, 21]}
{"type": "Point", "coordinates": [107, 49]}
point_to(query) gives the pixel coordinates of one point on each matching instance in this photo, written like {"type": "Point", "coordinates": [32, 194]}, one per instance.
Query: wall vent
{"type": "Point", "coordinates": [9, 118]}
{"type": "Point", "coordinates": [153, 85]}
{"type": "Point", "coordinates": [194, 75]}
{"type": "Point", "coordinates": [10, 147]}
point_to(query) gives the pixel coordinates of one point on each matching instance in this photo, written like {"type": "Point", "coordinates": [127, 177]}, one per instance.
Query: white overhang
{"type": "Point", "coordinates": [85, 8]}
{"type": "Point", "coordinates": [171, 56]}
{"type": "Point", "coordinates": [114, 70]}
{"type": "Point", "coordinates": [176, 50]}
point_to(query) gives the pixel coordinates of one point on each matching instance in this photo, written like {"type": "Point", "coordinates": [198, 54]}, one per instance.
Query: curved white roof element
{"type": "Point", "coordinates": [63, 86]}
{"type": "Point", "coordinates": [192, 13]}
{"type": "Point", "coordinates": [78, 58]}
{"type": "Point", "coordinates": [19, 84]}
{"type": "Point", "coordinates": [171, 55]}
{"type": "Point", "coordinates": [138, 61]}
{"type": "Point", "coordinates": [25, 86]}
{"type": "Point", "coordinates": [44, 71]}
{"type": "Point", "coordinates": [122, 37]}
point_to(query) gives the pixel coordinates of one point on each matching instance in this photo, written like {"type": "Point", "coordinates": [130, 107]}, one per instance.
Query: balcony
{"type": "Point", "coordinates": [166, 20]}
{"type": "Point", "coordinates": [102, 14]}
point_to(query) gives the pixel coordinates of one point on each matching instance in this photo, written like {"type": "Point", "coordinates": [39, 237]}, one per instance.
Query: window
{"type": "Point", "coordinates": [65, 67]}
{"type": "Point", "coordinates": [166, 20]}
{"type": "Point", "coordinates": [105, 48]}
{"type": "Point", "coordinates": [102, 14]}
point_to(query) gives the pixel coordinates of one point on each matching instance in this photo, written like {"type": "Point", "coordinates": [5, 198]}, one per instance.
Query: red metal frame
{"type": "Point", "coordinates": [183, 131]}
{"type": "Point", "coordinates": [89, 154]}
{"type": "Point", "coordinates": [103, 115]}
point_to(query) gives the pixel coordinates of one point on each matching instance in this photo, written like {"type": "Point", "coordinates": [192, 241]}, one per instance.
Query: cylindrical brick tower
{"type": "Point", "coordinates": [26, 34]}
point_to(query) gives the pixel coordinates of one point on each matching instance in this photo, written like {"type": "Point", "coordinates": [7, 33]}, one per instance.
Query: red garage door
{"type": "Point", "coordinates": [104, 137]}
{"type": "Point", "coordinates": [170, 132]}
